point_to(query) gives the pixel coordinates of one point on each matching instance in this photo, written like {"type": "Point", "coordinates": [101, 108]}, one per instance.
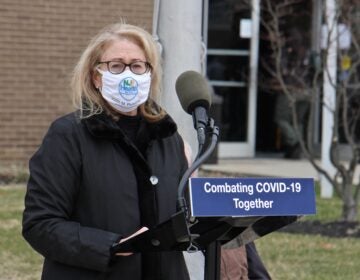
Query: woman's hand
{"type": "Point", "coordinates": [143, 229]}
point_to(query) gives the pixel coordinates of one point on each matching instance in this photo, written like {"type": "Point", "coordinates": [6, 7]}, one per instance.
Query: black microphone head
{"type": "Point", "coordinates": [193, 90]}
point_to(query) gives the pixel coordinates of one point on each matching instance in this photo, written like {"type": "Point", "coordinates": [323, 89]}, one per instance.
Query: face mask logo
{"type": "Point", "coordinates": [125, 91]}
{"type": "Point", "coordinates": [128, 88]}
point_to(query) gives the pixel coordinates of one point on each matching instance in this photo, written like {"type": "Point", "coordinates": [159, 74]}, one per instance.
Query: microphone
{"type": "Point", "coordinates": [194, 94]}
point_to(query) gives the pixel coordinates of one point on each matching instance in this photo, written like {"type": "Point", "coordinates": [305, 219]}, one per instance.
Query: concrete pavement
{"type": "Point", "coordinates": [267, 167]}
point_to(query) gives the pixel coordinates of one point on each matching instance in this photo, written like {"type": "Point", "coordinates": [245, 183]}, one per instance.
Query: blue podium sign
{"type": "Point", "coordinates": [210, 197]}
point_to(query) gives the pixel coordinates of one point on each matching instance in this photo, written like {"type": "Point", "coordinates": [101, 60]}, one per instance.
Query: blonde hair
{"type": "Point", "coordinates": [86, 96]}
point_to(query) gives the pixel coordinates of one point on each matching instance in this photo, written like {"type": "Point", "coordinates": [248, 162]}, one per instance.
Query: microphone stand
{"type": "Point", "coordinates": [213, 250]}
{"type": "Point", "coordinates": [212, 131]}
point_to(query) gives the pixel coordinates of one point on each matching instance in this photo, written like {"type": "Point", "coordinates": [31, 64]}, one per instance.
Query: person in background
{"type": "Point", "coordinates": [284, 120]}
{"type": "Point", "coordinates": [242, 262]}
{"type": "Point", "coordinates": [109, 170]}
{"type": "Point", "coordinates": [295, 72]}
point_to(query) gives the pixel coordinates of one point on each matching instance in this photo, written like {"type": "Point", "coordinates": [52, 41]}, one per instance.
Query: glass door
{"type": "Point", "coordinates": [228, 35]}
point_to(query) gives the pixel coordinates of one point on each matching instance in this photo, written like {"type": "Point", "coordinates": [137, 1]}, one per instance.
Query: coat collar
{"type": "Point", "coordinates": [103, 126]}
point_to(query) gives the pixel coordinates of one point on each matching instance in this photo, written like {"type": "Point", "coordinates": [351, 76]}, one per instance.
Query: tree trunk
{"type": "Point", "coordinates": [350, 208]}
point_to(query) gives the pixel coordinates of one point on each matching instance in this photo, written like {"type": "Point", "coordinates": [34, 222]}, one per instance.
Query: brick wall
{"type": "Point", "coordinates": [40, 42]}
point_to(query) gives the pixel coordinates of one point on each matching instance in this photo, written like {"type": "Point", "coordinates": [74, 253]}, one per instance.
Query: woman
{"type": "Point", "coordinates": [108, 170]}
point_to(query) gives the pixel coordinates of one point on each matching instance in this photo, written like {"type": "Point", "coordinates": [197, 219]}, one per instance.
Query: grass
{"type": "Point", "coordinates": [287, 256]}
{"type": "Point", "coordinates": [315, 257]}
{"type": "Point", "coordinates": [292, 256]}
{"type": "Point", "coordinates": [17, 259]}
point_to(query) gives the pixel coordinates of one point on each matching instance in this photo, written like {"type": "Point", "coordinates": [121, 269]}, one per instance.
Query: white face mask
{"type": "Point", "coordinates": [125, 91]}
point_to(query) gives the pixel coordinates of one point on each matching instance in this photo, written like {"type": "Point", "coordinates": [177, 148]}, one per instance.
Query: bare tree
{"type": "Point", "coordinates": [300, 77]}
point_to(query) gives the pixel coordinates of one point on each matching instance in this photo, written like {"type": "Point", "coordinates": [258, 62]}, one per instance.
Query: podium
{"type": "Point", "coordinates": [206, 234]}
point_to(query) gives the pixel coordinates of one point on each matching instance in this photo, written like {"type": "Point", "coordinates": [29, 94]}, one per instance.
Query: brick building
{"type": "Point", "coordinates": [41, 41]}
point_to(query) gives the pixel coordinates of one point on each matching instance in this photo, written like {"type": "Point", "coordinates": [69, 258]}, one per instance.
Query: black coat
{"type": "Point", "coordinates": [89, 186]}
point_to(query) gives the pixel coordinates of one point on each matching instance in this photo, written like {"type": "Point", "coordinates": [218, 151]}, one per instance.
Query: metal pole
{"type": "Point", "coordinates": [179, 31]}
{"type": "Point", "coordinates": [254, 57]}
{"type": "Point", "coordinates": [329, 97]}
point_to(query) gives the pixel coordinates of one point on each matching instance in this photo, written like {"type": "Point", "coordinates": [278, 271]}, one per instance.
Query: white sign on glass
{"type": "Point", "coordinates": [245, 28]}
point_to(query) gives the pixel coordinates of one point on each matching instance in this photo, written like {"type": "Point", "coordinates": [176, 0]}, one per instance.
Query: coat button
{"type": "Point", "coordinates": [154, 180]}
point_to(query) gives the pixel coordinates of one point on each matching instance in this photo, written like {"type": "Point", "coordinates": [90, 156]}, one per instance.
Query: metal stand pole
{"type": "Point", "coordinates": [212, 261]}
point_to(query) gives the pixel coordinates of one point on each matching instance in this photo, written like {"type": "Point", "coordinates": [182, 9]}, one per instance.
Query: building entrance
{"type": "Point", "coordinates": [229, 28]}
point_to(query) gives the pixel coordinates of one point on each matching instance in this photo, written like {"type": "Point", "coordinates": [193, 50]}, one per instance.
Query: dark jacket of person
{"type": "Point", "coordinates": [90, 186]}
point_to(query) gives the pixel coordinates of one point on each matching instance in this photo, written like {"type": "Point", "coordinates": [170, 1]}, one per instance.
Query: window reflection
{"type": "Point", "coordinates": [227, 67]}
